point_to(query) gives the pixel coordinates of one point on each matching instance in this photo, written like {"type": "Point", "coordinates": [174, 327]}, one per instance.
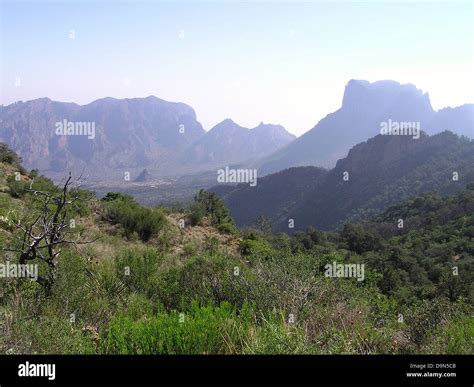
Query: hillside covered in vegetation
{"type": "Point", "coordinates": [128, 279]}
{"type": "Point", "coordinates": [375, 174]}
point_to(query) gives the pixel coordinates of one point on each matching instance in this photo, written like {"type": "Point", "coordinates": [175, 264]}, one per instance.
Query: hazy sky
{"type": "Point", "coordinates": [273, 61]}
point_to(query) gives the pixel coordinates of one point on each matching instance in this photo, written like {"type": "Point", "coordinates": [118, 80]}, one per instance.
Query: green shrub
{"type": "Point", "coordinates": [139, 269]}
{"type": "Point", "coordinates": [276, 337]}
{"type": "Point", "coordinates": [17, 187]}
{"type": "Point", "coordinates": [91, 290]}
{"type": "Point", "coordinates": [189, 248]}
{"type": "Point", "coordinates": [227, 228]}
{"type": "Point", "coordinates": [361, 240]}
{"type": "Point", "coordinates": [52, 335]}
{"type": "Point", "coordinates": [208, 204]}
{"type": "Point", "coordinates": [10, 157]}
{"type": "Point", "coordinates": [196, 214]}
{"type": "Point", "coordinates": [177, 207]}
{"type": "Point", "coordinates": [123, 210]}
{"type": "Point", "coordinates": [138, 306]}
{"type": "Point", "coordinates": [203, 330]}
{"type": "Point", "coordinates": [454, 337]}
{"type": "Point", "coordinates": [258, 248]}
{"type": "Point", "coordinates": [111, 196]}
{"type": "Point", "coordinates": [209, 279]}
{"type": "Point", "coordinates": [211, 244]}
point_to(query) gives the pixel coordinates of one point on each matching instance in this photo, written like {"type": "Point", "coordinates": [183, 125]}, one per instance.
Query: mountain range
{"type": "Point", "coordinates": [375, 174]}
{"type": "Point", "coordinates": [129, 136]}
{"type": "Point", "coordinates": [166, 139]}
{"type": "Point", "coordinates": [365, 106]}
{"type": "Point", "coordinates": [229, 143]}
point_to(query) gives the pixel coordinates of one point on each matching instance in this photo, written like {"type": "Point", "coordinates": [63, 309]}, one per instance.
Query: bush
{"type": "Point", "coordinates": [123, 210]}
{"type": "Point", "coordinates": [227, 228]}
{"type": "Point", "coordinates": [91, 291]}
{"type": "Point", "coordinates": [208, 204]}
{"type": "Point", "coordinates": [139, 269]}
{"type": "Point", "coordinates": [111, 196]}
{"type": "Point", "coordinates": [258, 248]}
{"type": "Point", "coordinates": [177, 208]}
{"type": "Point", "coordinates": [8, 156]}
{"type": "Point", "coordinates": [455, 337]}
{"type": "Point", "coordinates": [205, 330]}
{"type": "Point", "coordinates": [196, 214]}
{"type": "Point", "coordinates": [52, 335]}
{"type": "Point", "coordinates": [17, 187]}
{"type": "Point", "coordinates": [211, 244]}
{"type": "Point", "coordinates": [209, 279]}
{"type": "Point", "coordinates": [275, 337]}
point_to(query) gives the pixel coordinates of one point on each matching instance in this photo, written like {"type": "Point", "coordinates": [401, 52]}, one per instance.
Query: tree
{"type": "Point", "coordinates": [8, 156]}
{"type": "Point", "coordinates": [360, 240]}
{"type": "Point", "coordinates": [45, 230]}
{"type": "Point", "coordinates": [215, 209]}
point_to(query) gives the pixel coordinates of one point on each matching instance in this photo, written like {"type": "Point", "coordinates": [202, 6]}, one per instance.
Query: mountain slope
{"type": "Point", "coordinates": [222, 279]}
{"type": "Point", "coordinates": [274, 196]}
{"type": "Point", "coordinates": [228, 143]}
{"type": "Point", "coordinates": [364, 107]}
{"type": "Point", "coordinates": [127, 134]}
{"type": "Point", "coordinates": [381, 172]}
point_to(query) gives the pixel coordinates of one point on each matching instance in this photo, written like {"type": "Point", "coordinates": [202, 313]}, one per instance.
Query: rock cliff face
{"type": "Point", "coordinates": [228, 143]}
{"type": "Point", "coordinates": [109, 137]}
{"type": "Point", "coordinates": [364, 107]}
{"type": "Point", "coordinates": [129, 133]}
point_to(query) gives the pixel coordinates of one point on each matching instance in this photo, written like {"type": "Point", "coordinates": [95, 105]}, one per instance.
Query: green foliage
{"type": "Point", "coordinates": [227, 228]}
{"type": "Point", "coordinates": [272, 298]}
{"type": "Point", "coordinates": [26, 189]}
{"type": "Point", "coordinates": [211, 244]}
{"type": "Point", "coordinates": [196, 214]}
{"type": "Point", "coordinates": [210, 279]}
{"type": "Point", "coordinates": [17, 187]}
{"type": "Point", "coordinates": [123, 210]}
{"type": "Point", "coordinates": [309, 240]}
{"type": "Point", "coordinates": [8, 156]}
{"type": "Point", "coordinates": [426, 319]}
{"type": "Point", "coordinates": [111, 196]}
{"type": "Point", "coordinates": [51, 334]}
{"type": "Point", "coordinates": [421, 259]}
{"type": "Point", "coordinates": [208, 204]}
{"type": "Point", "coordinates": [258, 248]}
{"type": "Point", "coordinates": [454, 337]}
{"type": "Point", "coordinates": [203, 330]}
{"type": "Point", "coordinates": [139, 269]}
{"type": "Point", "coordinates": [360, 240]}
{"type": "Point", "coordinates": [177, 207]}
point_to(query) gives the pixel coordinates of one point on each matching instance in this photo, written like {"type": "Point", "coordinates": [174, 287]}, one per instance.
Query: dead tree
{"type": "Point", "coordinates": [46, 231]}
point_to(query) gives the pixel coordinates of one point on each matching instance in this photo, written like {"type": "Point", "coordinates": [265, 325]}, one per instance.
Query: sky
{"type": "Point", "coordinates": [280, 62]}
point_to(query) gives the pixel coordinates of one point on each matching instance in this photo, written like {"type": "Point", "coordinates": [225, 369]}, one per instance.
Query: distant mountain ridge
{"type": "Point", "coordinates": [129, 135]}
{"type": "Point", "coordinates": [166, 139]}
{"type": "Point", "coordinates": [364, 107]}
{"type": "Point", "coordinates": [228, 143]}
